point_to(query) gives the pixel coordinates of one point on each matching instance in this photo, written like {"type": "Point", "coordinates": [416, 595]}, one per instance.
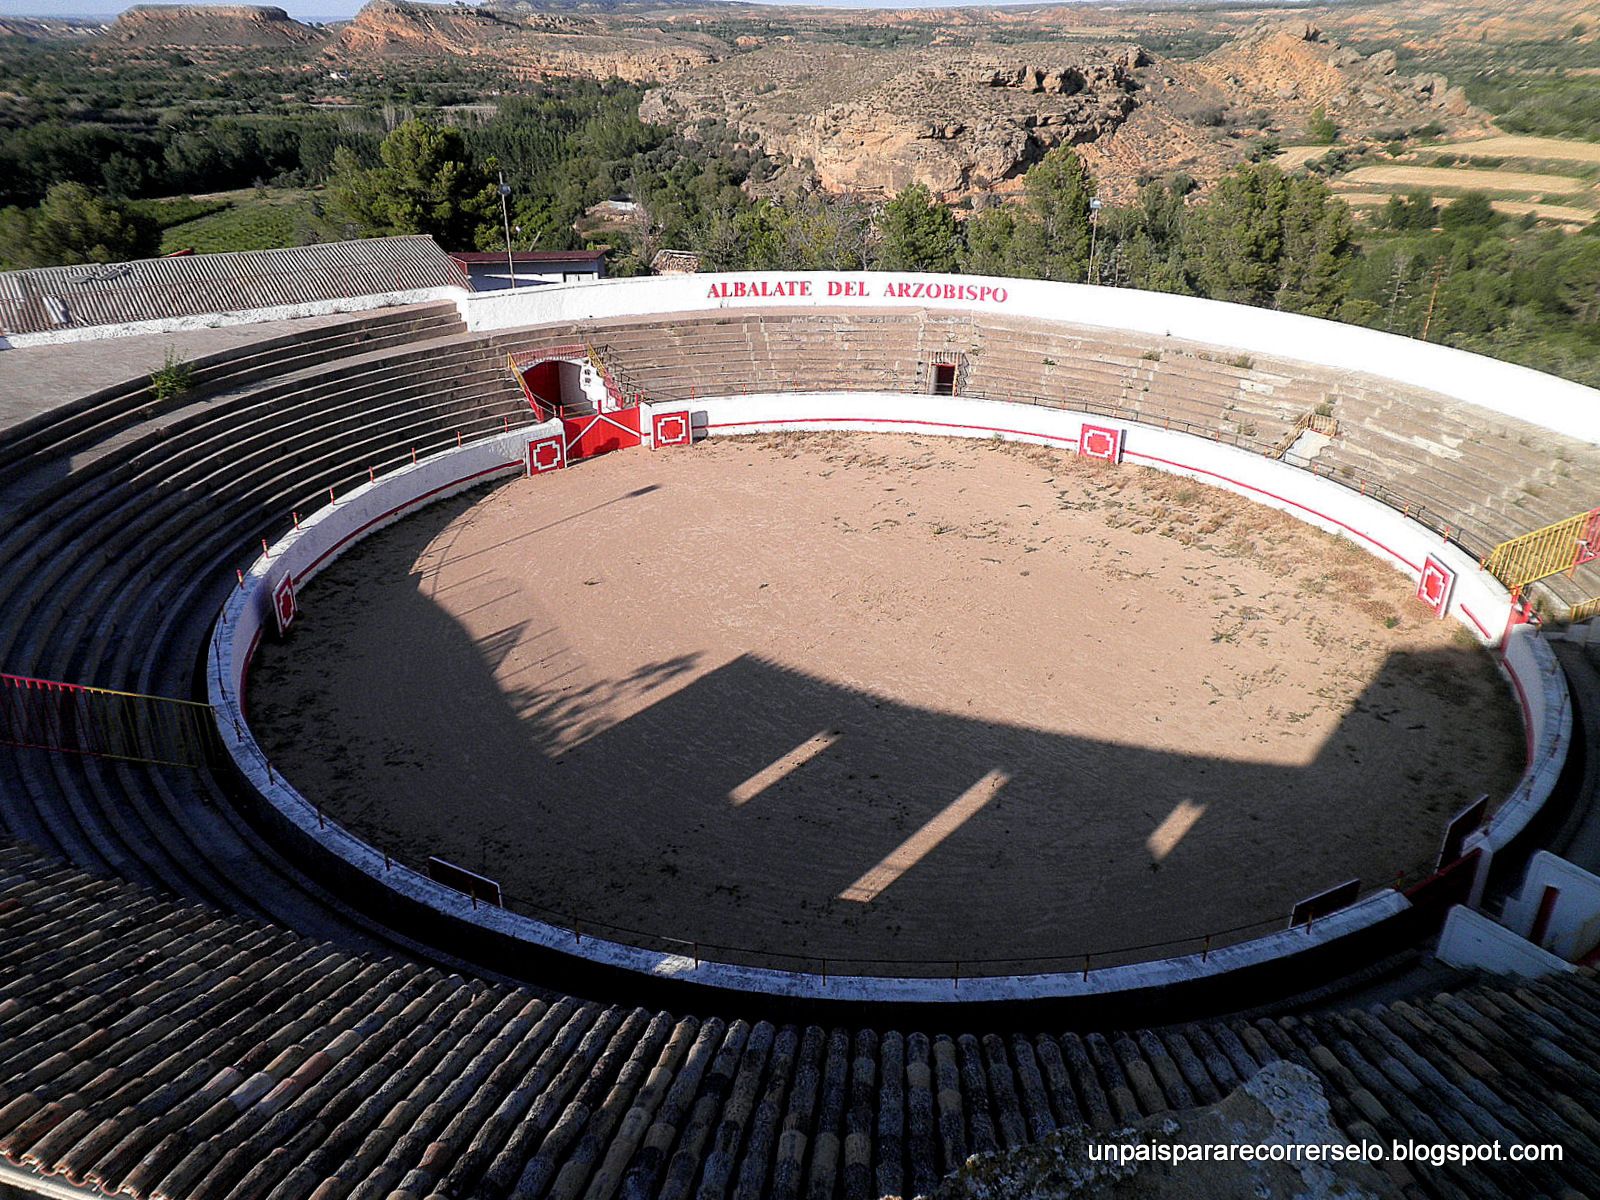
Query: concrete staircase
{"type": "Point", "coordinates": [113, 562]}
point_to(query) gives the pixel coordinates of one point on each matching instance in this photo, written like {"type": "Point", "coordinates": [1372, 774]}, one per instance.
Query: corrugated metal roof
{"type": "Point", "coordinates": [47, 299]}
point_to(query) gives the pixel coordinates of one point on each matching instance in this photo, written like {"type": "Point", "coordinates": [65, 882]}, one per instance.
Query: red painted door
{"type": "Point", "coordinates": [601, 433]}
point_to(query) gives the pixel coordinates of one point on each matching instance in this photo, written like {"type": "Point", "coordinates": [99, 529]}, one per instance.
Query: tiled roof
{"type": "Point", "coordinates": [155, 1048]}
{"type": "Point", "coordinates": [53, 298]}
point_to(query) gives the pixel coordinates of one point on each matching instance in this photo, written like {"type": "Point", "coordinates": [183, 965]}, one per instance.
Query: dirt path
{"type": "Point", "coordinates": [883, 698]}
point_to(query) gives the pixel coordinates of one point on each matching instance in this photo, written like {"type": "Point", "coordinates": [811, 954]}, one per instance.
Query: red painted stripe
{"type": "Point", "coordinates": [1473, 619]}
{"type": "Point", "coordinates": [1050, 437]}
{"type": "Point", "coordinates": [355, 533]}
{"type": "Point", "coordinates": [1527, 715]}
{"type": "Point", "coordinates": [1281, 500]}
{"type": "Point", "coordinates": [27, 681]}
{"type": "Point", "coordinates": [244, 673]}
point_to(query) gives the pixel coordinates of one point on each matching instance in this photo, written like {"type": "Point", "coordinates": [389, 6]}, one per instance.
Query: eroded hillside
{"type": "Point", "coordinates": [964, 120]}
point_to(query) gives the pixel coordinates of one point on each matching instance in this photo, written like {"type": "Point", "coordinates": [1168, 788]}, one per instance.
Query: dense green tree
{"type": "Point", "coordinates": [1470, 211]}
{"type": "Point", "coordinates": [1058, 189]}
{"type": "Point", "coordinates": [919, 233]}
{"type": "Point", "coordinates": [1318, 243]}
{"type": "Point", "coordinates": [1321, 129]}
{"type": "Point", "coordinates": [989, 243]}
{"type": "Point", "coordinates": [73, 225]}
{"type": "Point", "coordinates": [1415, 211]}
{"type": "Point", "coordinates": [1234, 241]}
{"type": "Point", "coordinates": [423, 185]}
{"type": "Point", "coordinates": [1142, 245]}
{"type": "Point", "coordinates": [1268, 239]}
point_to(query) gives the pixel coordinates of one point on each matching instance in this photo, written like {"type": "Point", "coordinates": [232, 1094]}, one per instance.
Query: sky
{"type": "Point", "coordinates": [305, 10]}
{"type": "Point", "coordinates": [338, 10]}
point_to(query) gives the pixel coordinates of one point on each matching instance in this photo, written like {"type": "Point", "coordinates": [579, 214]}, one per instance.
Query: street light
{"type": "Point", "coordinates": [1094, 228]}
{"type": "Point", "coordinates": [505, 215]}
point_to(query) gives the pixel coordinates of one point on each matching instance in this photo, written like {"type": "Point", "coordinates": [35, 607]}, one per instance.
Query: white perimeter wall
{"type": "Point", "coordinates": [1478, 602]}
{"type": "Point", "coordinates": [1574, 926]}
{"type": "Point", "coordinates": [1556, 404]}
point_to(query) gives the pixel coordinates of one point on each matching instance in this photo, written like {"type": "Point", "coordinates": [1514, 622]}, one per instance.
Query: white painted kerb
{"type": "Point", "coordinates": [1479, 602]}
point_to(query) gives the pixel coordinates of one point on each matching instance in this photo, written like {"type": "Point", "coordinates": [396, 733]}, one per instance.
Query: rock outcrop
{"type": "Point", "coordinates": [1281, 1105]}
{"type": "Point", "coordinates": [395, 29]}
{"type": "Point", "coordinates": [969, 120]}
{"type": "Point", "coordinates": [872, 121]}
{"type": "Point", "coordinates": [529, 43]}
{"type": "Point", "coordinates": [1294, 68]}
{"type": "Point", "coordinates": [205, 26]}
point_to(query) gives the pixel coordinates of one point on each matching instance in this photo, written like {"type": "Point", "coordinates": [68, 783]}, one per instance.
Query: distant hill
{"type": "Point", "coordinates": [205, 26]}
{"type": "Point", "coordinates": [565, 40]}
{"type": "Point", "coordinates": [49, 29]}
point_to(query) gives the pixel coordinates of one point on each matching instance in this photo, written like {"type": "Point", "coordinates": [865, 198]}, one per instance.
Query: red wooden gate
{"type": "Point", "coordinates": [601, 433]}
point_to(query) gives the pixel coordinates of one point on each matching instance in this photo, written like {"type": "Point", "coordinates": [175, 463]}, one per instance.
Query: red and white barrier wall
{"type": "Point", "coordinates": [1474, 599]}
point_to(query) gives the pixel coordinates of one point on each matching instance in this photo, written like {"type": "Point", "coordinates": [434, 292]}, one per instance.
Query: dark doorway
{"type": "Point", "coordinates": [944, 379]}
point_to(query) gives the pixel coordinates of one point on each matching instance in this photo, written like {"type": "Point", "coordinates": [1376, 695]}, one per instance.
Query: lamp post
{"type": "Point", "coordinates": [505, 215]}
{"type": "Point", "coordinates": [1094, 229]}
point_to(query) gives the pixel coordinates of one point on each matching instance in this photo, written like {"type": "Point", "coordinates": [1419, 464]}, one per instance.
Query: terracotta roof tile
{"type": "Point", "coordinates": [215, 1059]}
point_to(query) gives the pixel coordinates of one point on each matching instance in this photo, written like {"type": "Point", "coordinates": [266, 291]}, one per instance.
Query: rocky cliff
{"type": "Point", "coordinates": [969, 120]}
{"type": "Point", "coordinates": [1294, 68]}
{"type": "Point", "coordinates": [205, 26]}
{"type": "Point", "coordinates": [956, 120]}
{"type": "Point", "coordinates": [532, 43]}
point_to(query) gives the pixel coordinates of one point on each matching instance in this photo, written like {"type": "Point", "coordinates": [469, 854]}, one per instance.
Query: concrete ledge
{"type": "Point", "coordinates": [282, 312]}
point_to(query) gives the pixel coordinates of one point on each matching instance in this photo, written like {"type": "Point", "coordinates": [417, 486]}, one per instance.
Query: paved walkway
{"type": "Point", "coordinates": [37, 378]}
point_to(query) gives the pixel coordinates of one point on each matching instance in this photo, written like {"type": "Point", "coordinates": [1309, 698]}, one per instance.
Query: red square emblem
{"type": "Point", "coordinates": [1434, 588]}
{"type": "Point", "coordinates": [1098, 441]}
{"type": "Point", "coordinates": [670, 429]}
{"type": "Point", "coordinates": [284, 604]}
{"type": "Point", "coordinates": [546, 454]}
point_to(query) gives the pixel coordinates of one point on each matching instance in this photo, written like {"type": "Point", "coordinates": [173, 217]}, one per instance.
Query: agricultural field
{"type": "Point", "coordinates": [1553, 180]}
{"type": "Point", "coordinates": [251, 219]}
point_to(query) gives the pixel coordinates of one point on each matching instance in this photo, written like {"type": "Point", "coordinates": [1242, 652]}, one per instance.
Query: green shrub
{"type": "Point", "coordinates": [174, 378]}
{"type": "Point", "coordinates": [1321, 128]}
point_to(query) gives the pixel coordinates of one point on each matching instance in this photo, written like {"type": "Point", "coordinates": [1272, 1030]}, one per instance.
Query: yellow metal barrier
{"type": "Point", "coordinates": [1582, 612]}
{"type": "Point", "coordinates": [48, 715]}
{"type": "Point", "coordinates": [1546, 552]}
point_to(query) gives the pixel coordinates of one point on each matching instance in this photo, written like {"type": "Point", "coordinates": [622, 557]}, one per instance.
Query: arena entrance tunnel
{"type": "Point", "coordinates": [557, 384]}
{"type": "Point", "coordinates": [1204, 978]}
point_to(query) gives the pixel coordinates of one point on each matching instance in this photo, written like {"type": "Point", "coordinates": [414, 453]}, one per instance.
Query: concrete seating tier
{"type": "Point", "coordinates": [95, 419]}
{"type": "Point", "coordinates": [109, 576]}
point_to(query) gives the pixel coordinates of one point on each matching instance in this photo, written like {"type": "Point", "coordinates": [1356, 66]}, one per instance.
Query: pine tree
{"type": "Point", "coordinates": [919, 233]}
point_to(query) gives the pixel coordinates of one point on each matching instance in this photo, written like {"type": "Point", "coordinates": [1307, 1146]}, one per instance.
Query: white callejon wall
{"type": "Point", "coordinates": [1558, 405]}
{"type": "Point", "coordinates": [1472, 941]}
{"type": "Point", "coordinates": [1478, 602]}
{"type": "Point", "coordinates": [1574, 925]}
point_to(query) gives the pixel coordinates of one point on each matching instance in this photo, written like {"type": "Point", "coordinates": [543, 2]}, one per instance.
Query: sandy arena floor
{"type": "Point", "coordinates": [879, 698]}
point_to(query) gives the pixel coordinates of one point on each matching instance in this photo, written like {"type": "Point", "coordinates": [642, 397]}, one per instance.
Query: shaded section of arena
{"type": "Point", "coordinates": [904, 705]}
